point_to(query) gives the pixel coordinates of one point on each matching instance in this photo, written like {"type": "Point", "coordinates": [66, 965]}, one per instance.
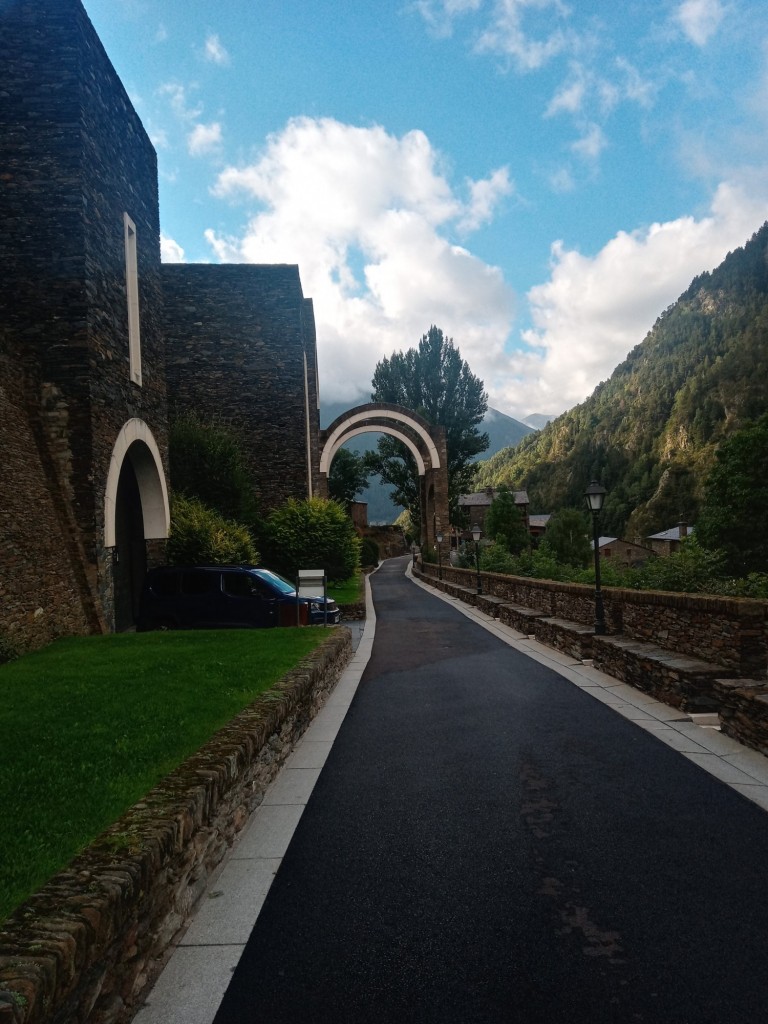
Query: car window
{"type": "Point", "coordinates": [197, 581]}
{"type": "Point", "coordinates": [275, 581]}
{"type": "Point", "coordinates": [237, 584]}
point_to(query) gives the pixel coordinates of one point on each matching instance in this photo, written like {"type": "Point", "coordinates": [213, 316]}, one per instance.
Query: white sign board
{"type": "Point", "coordinates": [311, 583]}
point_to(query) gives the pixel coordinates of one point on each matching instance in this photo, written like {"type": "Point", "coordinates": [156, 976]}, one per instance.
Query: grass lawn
{"type": "Point", "coordinates": [90, 724]}
{"type": "Point", "coordinates": [349, 591]}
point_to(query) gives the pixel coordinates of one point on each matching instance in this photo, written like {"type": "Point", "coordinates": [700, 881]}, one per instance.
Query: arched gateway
{"type": "Point", "coordinates": [425, 442]}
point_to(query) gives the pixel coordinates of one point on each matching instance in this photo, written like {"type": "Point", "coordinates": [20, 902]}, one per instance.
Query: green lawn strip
{"type": "Point", "coordinates": [90, 724]}
{"type": "Point", "coordinates": [348, 592]}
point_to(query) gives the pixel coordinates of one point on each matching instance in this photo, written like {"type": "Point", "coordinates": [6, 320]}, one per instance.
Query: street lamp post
{"type": "Point", "coordinates": [595, 496]}
{"type": "Point", "coordinates": [439, 539]}
{"type": "Point", "coordinates": [476, 539]}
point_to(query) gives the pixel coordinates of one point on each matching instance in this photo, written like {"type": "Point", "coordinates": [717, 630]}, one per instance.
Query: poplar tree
{"type": "Point", "coordinates": [434, 381]}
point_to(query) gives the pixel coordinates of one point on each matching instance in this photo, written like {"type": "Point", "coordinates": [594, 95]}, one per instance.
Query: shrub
{"type": "Point", "coordinates": [207, 462]}
{"type": "Point", "coordinates": [495, 558]}
{"type": "Point", "coordinates": [200, 536]}
{"type": "Point", "coordinates": [312, 534]}
{"type": "Point", "coordinates": [369, 552]}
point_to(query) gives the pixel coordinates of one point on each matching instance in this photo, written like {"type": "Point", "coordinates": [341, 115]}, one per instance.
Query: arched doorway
{"type": "Point", "coordinates": [130, 552]}
{"type": "Point", "coordinates": [136, 510]}
{"type": "Point", "coordinates": [425, 442]}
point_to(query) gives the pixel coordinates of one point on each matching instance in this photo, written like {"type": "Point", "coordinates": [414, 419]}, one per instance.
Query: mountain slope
{"type": "Point", "coordinates": [649, 433]}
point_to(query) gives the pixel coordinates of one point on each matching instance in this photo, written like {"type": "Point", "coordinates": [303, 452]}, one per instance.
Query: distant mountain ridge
{"type": "Point", "coordinates": [649, 433]}
{"type": "Point", "coordinates": [503, 431]}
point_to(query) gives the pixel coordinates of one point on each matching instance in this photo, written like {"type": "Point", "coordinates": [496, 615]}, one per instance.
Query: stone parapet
{"type": "Point", "coordinates": [87, 945]}
{"type": "Point", "coordinates": [743, 710]}
{"type": "Point", "coordinates": [726, 631]}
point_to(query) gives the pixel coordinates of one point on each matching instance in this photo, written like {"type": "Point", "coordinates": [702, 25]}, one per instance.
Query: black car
{"type": "Point", "coordinates": [227, 596]}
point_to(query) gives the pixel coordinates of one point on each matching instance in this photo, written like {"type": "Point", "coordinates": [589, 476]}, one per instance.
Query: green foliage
{"type": "Point", "coordinates": [348, 477]}
{"type": "Point", "coordinates": [369, 552]}
{"type": "Point", "coordinates": [735, 506]}
{"type": "Point", "coordinates": [200, 536]}
{"type": "Point", "coordinates": [312, 534]}
{"type": "Point", "coordinates": [437, 383]}
{"type": "Point", "coordinates": [567, 538]}
{"type": "Point", "coordinates": [407, 525]}
{"type": "Point", "coordinates": [691, 570]}
{"type": "Point", "coordinates": [504, 521]}
{"type": "Point", "coordinates": [207, 462]}
{"type": "Point", "coordinates": [495, 557]}
{"type": "Point", "coordinates": [91, 724]}
{"type": "Point", "coordinates": [650, 432]}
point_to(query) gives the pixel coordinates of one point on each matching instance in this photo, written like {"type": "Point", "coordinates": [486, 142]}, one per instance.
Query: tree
{"type": "Point", "coordinates": [312, 534]}
{"type": "Point", "coordinates": [736, 498]}
{"type": "Point", "coordinates": [504, 521]}
{"type": "Point", "coordinates": [437, 383]}
{"type": "Point", "coordinates": [567, 537]}
{"type": "Point", "coordinates": [348, 477]}
{"type": "Point", "coordinates": [207, 462]}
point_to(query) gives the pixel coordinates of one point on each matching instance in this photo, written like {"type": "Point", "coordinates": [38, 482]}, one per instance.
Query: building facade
{"type": "Point", "coordinates": [96, 337]}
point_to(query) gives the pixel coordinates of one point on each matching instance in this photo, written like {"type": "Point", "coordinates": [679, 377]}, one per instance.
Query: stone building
{"type": "Point", "coordinates": [96, 338]}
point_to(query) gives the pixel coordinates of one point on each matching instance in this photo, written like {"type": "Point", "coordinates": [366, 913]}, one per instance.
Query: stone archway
{"type": "Point", "coordinates": [136, 509]}
{"type": "Point", "coordinates": [425, 442]}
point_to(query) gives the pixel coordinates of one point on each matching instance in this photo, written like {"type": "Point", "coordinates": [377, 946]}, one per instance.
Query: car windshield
{"type": "Point", "coordinates": [277, 581]}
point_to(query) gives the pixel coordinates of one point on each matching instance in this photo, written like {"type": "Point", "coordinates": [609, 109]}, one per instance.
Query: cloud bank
{"type": "Point", "coordinates": [372, 221]}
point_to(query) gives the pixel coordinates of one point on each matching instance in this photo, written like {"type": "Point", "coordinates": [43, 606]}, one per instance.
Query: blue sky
{"type": "Point", "coordinates": [539, 178]}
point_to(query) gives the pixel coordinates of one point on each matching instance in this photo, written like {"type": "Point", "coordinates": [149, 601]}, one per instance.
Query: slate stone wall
{"type": "Point", "coordinates": [236, 338]}
{"type": "Point", "coordinates": [73, 158]}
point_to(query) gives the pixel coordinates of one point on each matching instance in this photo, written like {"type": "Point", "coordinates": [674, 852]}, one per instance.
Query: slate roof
{"type": "Point", "coordinates": [479, 498]}
{"type": "Point", "coordinates": [673, 534]}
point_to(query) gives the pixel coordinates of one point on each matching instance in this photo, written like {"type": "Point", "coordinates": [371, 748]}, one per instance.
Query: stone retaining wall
{"type": "Point", "coordinates": [743, 710]}
{"type": "Point", "coordinates": [727, 631]}
{"type": "Point", "coordinates": [86, 945]}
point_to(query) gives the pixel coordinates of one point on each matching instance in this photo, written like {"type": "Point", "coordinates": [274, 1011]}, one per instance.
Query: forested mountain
{"type": "Point", "coordinates": [650, 432]}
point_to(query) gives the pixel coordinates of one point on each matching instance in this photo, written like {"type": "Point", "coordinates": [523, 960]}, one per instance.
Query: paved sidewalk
{"type": "Point", "coordinates": [197, 975]}
{"type": "Point", "coordinates": [201, 964]}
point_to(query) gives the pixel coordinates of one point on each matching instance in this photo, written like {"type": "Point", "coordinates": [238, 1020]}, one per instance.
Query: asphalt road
{"type": "Point", "coordinates": [487, 843]}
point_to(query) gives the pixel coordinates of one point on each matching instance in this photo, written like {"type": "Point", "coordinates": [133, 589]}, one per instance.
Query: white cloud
{"type": "Point", "coordinates": [700, 19]}
{"type": "Point", "coordinates": [484, 197]}
{"type": "Point", "coordinates": [440, 14]}
{"type": "Point", "coordinates": [177, 96]}
{"type": "Point", "coordinates": [595, 309]}
{"type": "Point", "coordinates": [568, 100]}
{"type": "Point", "coordinates": [170, 250]}
{"type": "Point", "coordinates": [215, 52]}
{"type": "Point", "coordinates": [204, 139]}
{"type": "Point", "coordinates": [591, 144]}
{"type": "Point", "coordinates": [507, 35]}
{"type": "Point", "coordinates": [368, 217]}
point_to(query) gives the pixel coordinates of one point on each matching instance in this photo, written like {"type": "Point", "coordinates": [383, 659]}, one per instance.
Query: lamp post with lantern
{"type": "Point", "coordinates": [594, 497]}
{"type": "Point", "coordinates": [476, 538]}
